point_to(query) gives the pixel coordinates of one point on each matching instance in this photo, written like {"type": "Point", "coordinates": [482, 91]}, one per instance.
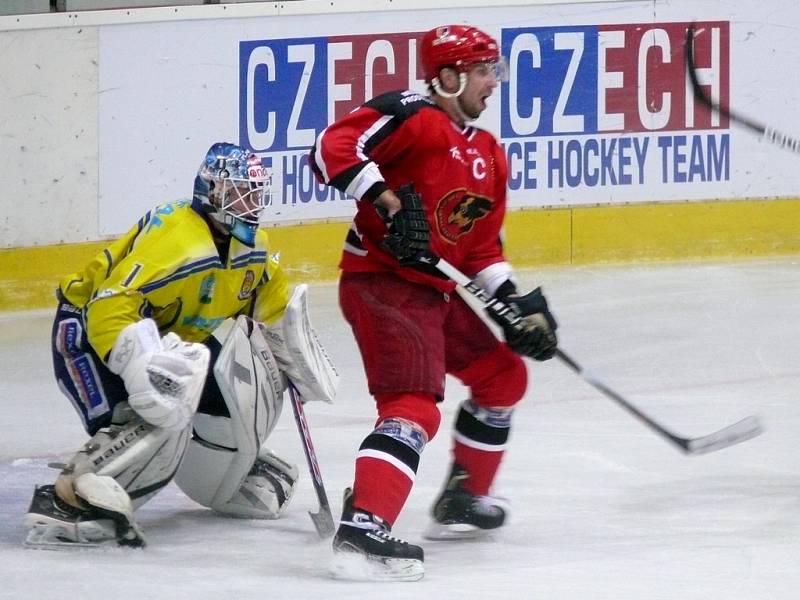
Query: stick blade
{"type": "Point", "coordinates": [740, 431]}
{"type": "Point", "coordinates": [323, 522]}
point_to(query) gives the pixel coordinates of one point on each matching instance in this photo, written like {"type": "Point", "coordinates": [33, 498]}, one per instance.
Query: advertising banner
{"type": "Point", "coordinates": [597, 107]}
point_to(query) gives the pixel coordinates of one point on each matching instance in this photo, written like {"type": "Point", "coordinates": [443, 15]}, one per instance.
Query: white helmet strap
{"type": "Point", "coordinates": [462, 85]}
{"type": "Point", "coordinates": [454, 97]}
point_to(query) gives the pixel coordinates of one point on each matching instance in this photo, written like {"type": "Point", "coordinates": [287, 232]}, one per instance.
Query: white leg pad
{"type": "Point", "coordinates": [212, 468]}
{"type": "Point", "coordinates": [137, 456]}
{"type": "Point", "coordinates": [217, 468]}
{"type": "Point", "coordinates": [266, 491]}
{"type": "Point", "coordinates": [145, 468]}
{"type": "Point", "coordinates": [104, 492]}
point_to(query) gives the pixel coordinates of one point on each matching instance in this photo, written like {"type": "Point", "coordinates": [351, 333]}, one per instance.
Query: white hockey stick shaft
{"type": "Point", "coordinates": [740, 431]}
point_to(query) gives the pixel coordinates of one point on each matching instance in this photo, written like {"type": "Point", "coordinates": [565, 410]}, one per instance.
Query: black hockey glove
{"type": "Point", "coordinates": [535, 334]}
{"type": "Point", "coordinates": [409, 233]}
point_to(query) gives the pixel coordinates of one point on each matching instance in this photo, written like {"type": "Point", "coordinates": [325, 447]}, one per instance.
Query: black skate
{"type": "Point", "coordinates": [53, 523]}
{"type": "Point", "coordinates": [458, 514]}
{"type": "Point", "coordinates": [364, 549]}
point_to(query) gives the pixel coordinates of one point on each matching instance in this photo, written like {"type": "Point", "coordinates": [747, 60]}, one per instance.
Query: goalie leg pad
{"type": "Point", "coordinates": [226, 466]}
{"type": "Point", "coordinates": [266, 491]}
{"type": "Point", "coordinates": [116, 471]}
{"type": "Point", "coordinates": [108, 499]}
{"type": "Point", "coordinates": [140, 457]}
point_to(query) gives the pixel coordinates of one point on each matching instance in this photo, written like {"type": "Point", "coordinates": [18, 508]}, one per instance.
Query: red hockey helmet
{"type": "Point", "coordinates": [457, 46]}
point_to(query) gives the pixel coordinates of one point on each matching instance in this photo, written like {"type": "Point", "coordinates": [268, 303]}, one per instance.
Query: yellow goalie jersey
{"type": "Point", "coordinates": [167, 267]}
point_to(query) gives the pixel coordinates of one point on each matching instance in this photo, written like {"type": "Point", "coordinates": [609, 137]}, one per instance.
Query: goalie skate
{"type": "Point", "coordinates": [53, 523]}
{"type": "Point", "coordinates": [365, 550]}
{"type": "Point", "coordinates": [458, 514]}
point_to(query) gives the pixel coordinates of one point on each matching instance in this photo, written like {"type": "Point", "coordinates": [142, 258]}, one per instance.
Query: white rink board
{"type": "Point", "coordinates": [170, 89]}
{"type": "Point", "coordinates": [98, 127]}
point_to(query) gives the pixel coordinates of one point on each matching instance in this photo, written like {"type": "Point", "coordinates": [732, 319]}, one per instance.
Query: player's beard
{"type": "Point", "coordinates": [469, 115]}
{"type": "Point", "coordinates": [464, 116]}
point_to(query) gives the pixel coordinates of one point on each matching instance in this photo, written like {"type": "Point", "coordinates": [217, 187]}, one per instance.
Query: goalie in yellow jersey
{"type": "Point", "coordinates": [162, 397]}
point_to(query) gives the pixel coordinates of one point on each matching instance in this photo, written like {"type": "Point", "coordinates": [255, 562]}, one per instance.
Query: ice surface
{"type": "Point", "coordinates": [602, 507]}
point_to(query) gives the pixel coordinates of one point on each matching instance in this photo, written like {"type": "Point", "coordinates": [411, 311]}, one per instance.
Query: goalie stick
{"type": "Point", "coordinates": [767, 132]}
{"type": "Point", "coordinates": [323, 519]}
{"type": "Point", "coordinates": [740, 431]}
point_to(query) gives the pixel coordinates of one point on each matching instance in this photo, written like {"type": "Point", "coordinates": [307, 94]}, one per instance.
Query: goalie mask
{"type": "Point", "coordinates": [459, 47]}
{"type": "Point", "coordinates": [233, 188]}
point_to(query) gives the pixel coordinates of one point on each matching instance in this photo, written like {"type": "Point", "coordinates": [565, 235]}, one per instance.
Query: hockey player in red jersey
{"type": "Point", "coordinates": [425, 180]}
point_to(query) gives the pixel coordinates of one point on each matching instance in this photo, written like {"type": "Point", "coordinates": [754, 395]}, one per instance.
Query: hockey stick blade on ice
{"type": "Point", "coordinates": [767, 132]}
{"type": "Point", "coordinates": [740, 431]}
{"type": "Point", "coordinates": [322, 519]}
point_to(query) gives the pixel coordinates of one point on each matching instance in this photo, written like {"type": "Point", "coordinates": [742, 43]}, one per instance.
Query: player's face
{"type": "Point", "coordinates": [482, 79]}
{"type": "Point", "coordinates": [245, 202]}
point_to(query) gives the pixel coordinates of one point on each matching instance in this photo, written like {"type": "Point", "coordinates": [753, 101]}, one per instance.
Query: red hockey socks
{"type": "Point", "coordinates": [480, 439]}
{"type": "Point", "coordinates": [388, 458]}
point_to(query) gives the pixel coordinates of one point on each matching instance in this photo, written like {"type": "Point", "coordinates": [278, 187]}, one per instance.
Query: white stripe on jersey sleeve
{"type": "Point", "coordinates": [318, 156]}
{"type": "Point", "coordinates": [373, 129]}
{"type": "Point", "coordinates": [369, 175]}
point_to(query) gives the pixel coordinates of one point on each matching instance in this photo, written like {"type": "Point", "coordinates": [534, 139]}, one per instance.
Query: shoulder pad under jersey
{"type": "Point", "coordinates": [401, 103]}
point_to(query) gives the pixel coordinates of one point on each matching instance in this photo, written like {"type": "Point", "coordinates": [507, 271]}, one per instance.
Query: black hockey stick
{"type": "Point", "coordinates": [740, 431]}
{"type": "Point", "coordinates": [323, 519]}
{"type": "Point", "coordinates": [767, 132]}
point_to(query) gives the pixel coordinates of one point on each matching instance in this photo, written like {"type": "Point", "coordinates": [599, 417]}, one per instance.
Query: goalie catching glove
{"type": "Point", "coordinates": [163, 378]}
{"type": "Point", "coordinates": [299, 353]}
{"type": "Point", "coordinates": [534, 335]}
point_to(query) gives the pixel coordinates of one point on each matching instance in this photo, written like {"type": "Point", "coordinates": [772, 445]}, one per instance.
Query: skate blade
{"type": "Point", "coordinates": [351, 566]}
{"type": "Point", "coordinates": [61, 545]}
{"type": "Point", "coordinates": [45, 533]}
{"type": "Point", "coordinates": [455, 531]}
{"type": "Point", "coordinates": [49, 538]}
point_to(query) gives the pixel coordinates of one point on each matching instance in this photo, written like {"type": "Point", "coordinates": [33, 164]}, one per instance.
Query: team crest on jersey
{"type": "Point", "coordinates": [207, 289]}
{"type": "Point", "coordinates": [457, 212]}
{"type": "Point", "coordinates": [247, 285]}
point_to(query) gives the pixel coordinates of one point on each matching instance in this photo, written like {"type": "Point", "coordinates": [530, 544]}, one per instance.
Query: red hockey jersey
{"type": "Point", "coordinates": [460, 173]}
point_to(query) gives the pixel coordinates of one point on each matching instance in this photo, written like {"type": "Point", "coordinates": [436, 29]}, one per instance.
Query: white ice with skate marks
{"type": "Point", "coordinates": [350, 566]}
{"type": "Point", "coordinates": [601, 507]}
